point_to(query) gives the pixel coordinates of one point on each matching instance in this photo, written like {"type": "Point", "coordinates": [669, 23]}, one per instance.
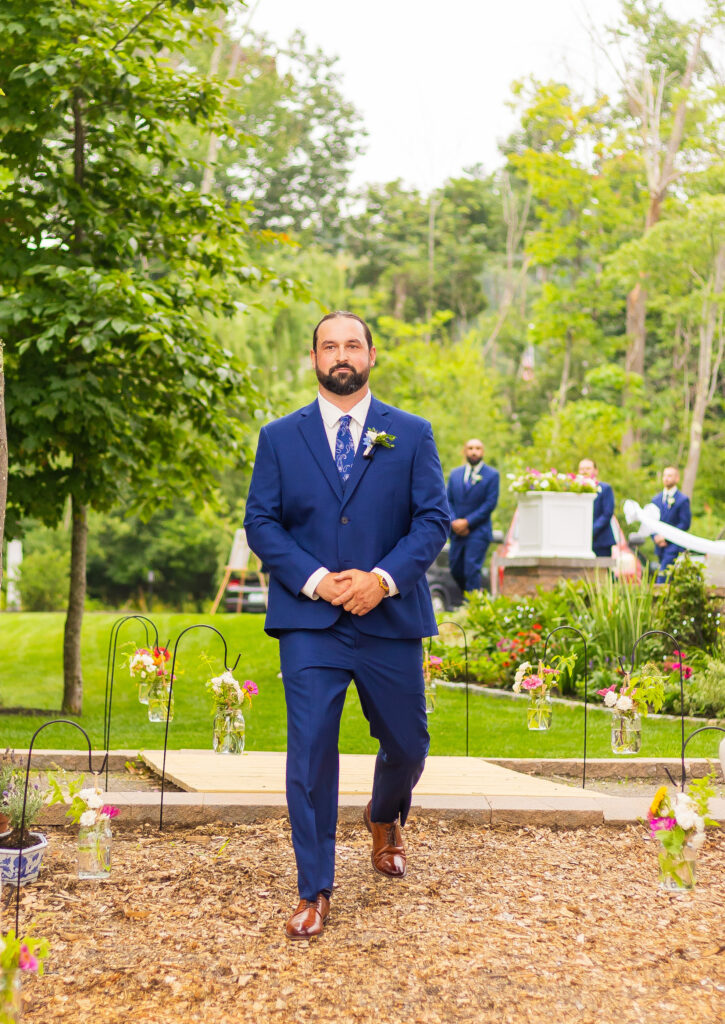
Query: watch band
{"type": "Point", "coordinates": [382, 581]}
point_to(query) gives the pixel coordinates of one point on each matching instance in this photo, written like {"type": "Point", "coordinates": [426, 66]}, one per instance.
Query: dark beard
{"type": "Point", "coordinates": [473, 462]}
{"type": "Point", "coordinates": [347, 385]}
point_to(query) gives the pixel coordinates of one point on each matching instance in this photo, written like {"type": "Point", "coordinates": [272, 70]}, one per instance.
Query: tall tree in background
{"type": "Point", "coordinates": [109, 261]}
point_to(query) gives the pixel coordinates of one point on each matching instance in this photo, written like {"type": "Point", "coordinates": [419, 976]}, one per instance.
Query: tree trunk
{"type": "Point", "coordinates": [3, 459]}
{"type": "Point", "coordinates": [72, 673]}
{"type": "Point", "coordinates": [706, 384]}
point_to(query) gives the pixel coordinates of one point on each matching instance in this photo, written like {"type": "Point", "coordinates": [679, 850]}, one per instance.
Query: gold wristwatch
{"type": "Point", "coordinates": [382, 582]}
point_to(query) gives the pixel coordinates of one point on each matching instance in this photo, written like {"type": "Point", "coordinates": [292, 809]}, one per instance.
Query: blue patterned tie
{"type": "Point", "coordinates": [344, 449]}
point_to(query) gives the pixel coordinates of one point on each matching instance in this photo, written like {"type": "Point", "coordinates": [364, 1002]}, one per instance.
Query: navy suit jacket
{"type": "Point", "coordinates": [392, 514]}
{"type": "Point", "coordinates": [474, 503]}
{"type": "Point", "coordinates": [602, 533]}
{"type": "Point", "coordinates": [678, 514]}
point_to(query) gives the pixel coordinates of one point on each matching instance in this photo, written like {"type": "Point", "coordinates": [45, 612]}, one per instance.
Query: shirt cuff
{"type": "Point", "coordinates": [392, 589]}
{"type": "Point", "coordinates": [309, 588]}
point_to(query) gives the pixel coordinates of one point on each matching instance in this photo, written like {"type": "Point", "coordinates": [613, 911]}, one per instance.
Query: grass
{"type": "Point", "coordinates": [31, 676]}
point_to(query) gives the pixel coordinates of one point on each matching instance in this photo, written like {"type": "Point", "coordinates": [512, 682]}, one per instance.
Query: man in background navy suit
{"type": "Point", "coordinates": [674, 509]}
{"type": "Point", "coordinates": [602, 533]}
{"type": "Point", "coordinates": [472, 497]}
{"type": "Point", "coordinates": [347, 508]}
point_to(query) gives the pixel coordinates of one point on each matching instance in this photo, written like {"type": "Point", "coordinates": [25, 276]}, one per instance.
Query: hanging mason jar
{"type": "Point", "coordinates": [678, 871]}
{"type": "Point", "coordinates": [430, 696]}
{"type": "Point", "coordinates": [229, 731]}
{"type": "Point", "coordinates": [10, 996]}
{"type": "Point", "coordinates": [143, 691]}
{"type": "Point", "coordinates": [159, 701]}
{"type": "Point", "coordinates": [94, 850]}
{"type": "Point", "coordinates": [538, 712]}
{"type": "Point", "coordinates": [626, 732]}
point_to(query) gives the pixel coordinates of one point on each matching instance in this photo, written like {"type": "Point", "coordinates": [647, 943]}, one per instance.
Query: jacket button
{"type": "Point", "coordinates": [344, 520]}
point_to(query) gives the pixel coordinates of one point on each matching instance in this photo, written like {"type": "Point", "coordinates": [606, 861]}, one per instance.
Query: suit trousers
{"type": "Point", "coordinates": [466, 555]}
{"type": "Point", "coordinates": [317, 667]}
{"type": "Point", "coordinates": [666, 556]}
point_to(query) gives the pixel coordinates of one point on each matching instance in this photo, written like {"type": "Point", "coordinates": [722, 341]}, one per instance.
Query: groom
{"type": "Point", "coordinates": [347, 509]}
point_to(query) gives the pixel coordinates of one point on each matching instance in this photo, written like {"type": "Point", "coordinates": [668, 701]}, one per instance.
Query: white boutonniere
{"type": "Point", "coordinates": [373, 438]}
{"type": "Point", "coordinates": [670, 501]}
{"type": "Point", "coordinates": [475, 478]}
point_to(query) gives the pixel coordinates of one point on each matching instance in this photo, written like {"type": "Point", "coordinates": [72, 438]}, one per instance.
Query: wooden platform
{"type": "Point", "coordinates": [202, 771]}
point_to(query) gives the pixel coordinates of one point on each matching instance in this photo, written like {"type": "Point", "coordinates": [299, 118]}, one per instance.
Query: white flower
{"type": "Point", "coordinates": [517, 686]}
{"type": "Point", "coordinates": [610, 698]}
{"type": "Point", "coordinates": [88, 818]}
{"type": "Point", "coordinates": [699, 823]}
{"type": "Point", "coordinates": [624, 703]}
{"type": "Point", "coordinates": [697, 840]}
{"type": "Point", "coordinates": [684, 813]}
{"type": "Point", "coordinates": [544, 485]}
{"type": "Point", "coordinates": [521, 672]}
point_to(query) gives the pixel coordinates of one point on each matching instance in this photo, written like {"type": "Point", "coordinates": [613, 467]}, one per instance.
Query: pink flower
{"type": "Point", "coordinates": [110, 812]}
{"type": "Point", "coordinates": [551, 671]}
{"type": "Point", "coordinates": [26, 960]}
{"type": "Point", "coordinates": [531, 683]}
{"type": "Point", "coordinates": [661, 825]}
{"type": "Point", "coordinates": [251, 687]}
{"type": "Point", "coordinates": [609, 689]}
{"type": "Point", "coordinates": [434, 659]}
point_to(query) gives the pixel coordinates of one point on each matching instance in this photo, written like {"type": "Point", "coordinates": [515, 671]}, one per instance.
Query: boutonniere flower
{"type": "Point", "coordinates": [475, 478]}
{"type": "Point", "coordinates": [373, 438]}
{"type": "Point", "coordinates": [670, 500]}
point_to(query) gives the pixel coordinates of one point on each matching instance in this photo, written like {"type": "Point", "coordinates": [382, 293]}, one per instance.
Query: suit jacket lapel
{"type": "Point", "coordinates": [377, 418]}
{"type": "Point", "coordinates": [313, 431]}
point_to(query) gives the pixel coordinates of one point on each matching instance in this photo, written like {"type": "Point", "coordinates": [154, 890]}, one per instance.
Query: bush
{"type": "Point", "coordinates": [44, 573]}
{"type": "Point", "coordinates": [704, 691]}
{"type": "Point", "coordinates": [686, 609]}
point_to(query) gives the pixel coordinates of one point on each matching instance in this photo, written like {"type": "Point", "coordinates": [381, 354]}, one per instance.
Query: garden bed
{"type": "Point", "coordinates": [519, 926]}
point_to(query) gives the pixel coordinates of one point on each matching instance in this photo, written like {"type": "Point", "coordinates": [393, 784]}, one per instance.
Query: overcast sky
{"type": "Point", "coordinates": [431, 77]}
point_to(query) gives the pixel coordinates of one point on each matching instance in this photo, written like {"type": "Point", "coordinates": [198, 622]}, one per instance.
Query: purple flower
{"type": "Point", "coordinates": [661, 825]}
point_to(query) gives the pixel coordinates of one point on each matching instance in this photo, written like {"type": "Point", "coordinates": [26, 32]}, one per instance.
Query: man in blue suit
{"type": "Point", "coordinates": [347, 509]}
{"type": "Point", "coordinates": [472, 497]}
{"type": "Point", "coordinates": [603, 510]}
{"type": "Point", "coordinates": [674, 509]}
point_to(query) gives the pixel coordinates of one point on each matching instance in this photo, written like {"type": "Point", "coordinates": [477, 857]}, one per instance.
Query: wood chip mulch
{"type": "Point", "coordinates": [517, 926]}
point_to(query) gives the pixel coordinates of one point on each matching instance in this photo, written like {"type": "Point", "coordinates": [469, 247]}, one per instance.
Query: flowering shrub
{"type": "Point", "coordinates": [228, 694]}
{"type": "Point", "coordinates": [551, 480]}
{"type": "Point", "coordinates": [636, 693]}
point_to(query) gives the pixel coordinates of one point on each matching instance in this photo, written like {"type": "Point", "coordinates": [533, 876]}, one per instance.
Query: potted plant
{"type": "Point", "coordinates": [538, 682]}
{"type": "Point", "coordinates": [229, 696]}
{"type": "Point", "coordinates": [630, 701]}
{"type": "Point", "coordinates": [93, 816]}
{"type": "Point", "coordinates": [678, 825]}
{"type": "Point", "coordinates": [16, 956]}
{"type": "Point", "coordinates": [555, 513]}
{"type": "Point", "coordinates": [20, 854]}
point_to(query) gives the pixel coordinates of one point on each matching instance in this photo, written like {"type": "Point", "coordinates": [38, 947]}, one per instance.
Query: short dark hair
{"type": "Point", "coordinates": [342, 313]}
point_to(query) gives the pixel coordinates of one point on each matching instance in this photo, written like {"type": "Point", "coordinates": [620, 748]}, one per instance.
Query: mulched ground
{"type": "Point", "coordinates": [519, 926]}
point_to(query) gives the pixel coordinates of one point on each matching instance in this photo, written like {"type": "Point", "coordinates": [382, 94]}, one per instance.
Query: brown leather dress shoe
{"type": "Point", "coordinates": [309, 918]}
{"type": "Point", "coordinates": [388, 854]}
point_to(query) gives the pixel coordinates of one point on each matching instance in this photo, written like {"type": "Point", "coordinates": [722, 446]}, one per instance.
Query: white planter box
{"type": "Point", "coordinates": [555, 525]}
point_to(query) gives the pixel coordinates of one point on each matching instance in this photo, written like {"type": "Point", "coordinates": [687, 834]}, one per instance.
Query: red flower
{"type": "Point", "coordinates": [537, 625]}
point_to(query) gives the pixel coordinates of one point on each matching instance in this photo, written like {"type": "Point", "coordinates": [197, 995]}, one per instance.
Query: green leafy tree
{"type": "Point", "coordinates": [110, 260]}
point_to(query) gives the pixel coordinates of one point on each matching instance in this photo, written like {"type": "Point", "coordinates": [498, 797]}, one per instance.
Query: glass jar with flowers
{"type": "Point", "coordinates": [142, 668]}
{"type": "Point", "coordinates": [93, 816]}
{"type": "Point", "coordinates": [17, 955]}
{"type": "Point", "coordinates": [229, 726]}
{"type": "Point", "coordinates": [431, 664]}
{"type": "Point", "coordinates": [678, 825]}
{"type": "Point", "coordinates": [629, 701]}
{"type": "Point", "coordinates": [538, 682]}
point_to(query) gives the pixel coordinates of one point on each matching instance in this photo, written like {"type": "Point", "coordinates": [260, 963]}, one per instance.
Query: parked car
{"type": "Point", "coordinates": [444, 591]}
{"type": "Point", "coordinates": [253, 597]}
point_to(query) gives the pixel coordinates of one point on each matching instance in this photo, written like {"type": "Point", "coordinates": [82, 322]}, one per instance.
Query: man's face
{"type": "Point", "coordinates": [670, 476]}
{"type": "Point", "coordinates": [343, 360]}
{"type": "Point", "coordinates": [473, 451]}
{"type": "Point", "coordinates": [587, 468]}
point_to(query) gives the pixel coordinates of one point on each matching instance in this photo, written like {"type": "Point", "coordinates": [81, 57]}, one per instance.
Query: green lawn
{"type": "Point", "coordinates": [31, 676]}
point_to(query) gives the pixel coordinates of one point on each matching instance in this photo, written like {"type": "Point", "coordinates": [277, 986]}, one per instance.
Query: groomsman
{"type": "Point", "coordinates": [602, 533]}
{"type": "Point", "coordinates": [674, 509]}
{"type": "Point", "coordinates": [472, 497]}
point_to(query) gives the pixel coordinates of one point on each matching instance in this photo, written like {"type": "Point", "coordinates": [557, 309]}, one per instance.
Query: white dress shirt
{"type": "Point", "coordinates": [331, 416]}
{"type": "Point", "coordinates": [471, 470]}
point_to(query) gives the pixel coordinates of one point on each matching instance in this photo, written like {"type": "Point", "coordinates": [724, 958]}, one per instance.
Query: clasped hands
{"type": "Point", "coordinates": [358, 592]}
{"type": "Point", "coordinates": [460, 527]}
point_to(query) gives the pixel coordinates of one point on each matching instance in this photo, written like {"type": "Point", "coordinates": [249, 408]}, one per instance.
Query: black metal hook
{"type": "Point", "coordinates": [451, 622]}
{"type": "Point", "coordinates": [198, 625]}
{"type": "Point", "coordinates": [586, 687]}
{"type": "Point", "coordinates": [55, 721]}
{"type": "Point", "coordinates": [676, 649]}
{"type": "Point", "coordinates": [703, 728]}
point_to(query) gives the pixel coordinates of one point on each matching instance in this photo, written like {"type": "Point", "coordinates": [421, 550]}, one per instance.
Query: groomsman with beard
{"type": "Point", "coordinates": [602, 533]}
{"type": "Point", "coordinates": [674, 509]}
{"type": "Point", "coordinates": [472, 496]}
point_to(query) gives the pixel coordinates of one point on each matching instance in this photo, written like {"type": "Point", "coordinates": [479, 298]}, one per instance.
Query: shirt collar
{"type": "Point", "coordinates": [470, 470]}
{"type": "Point", "coordinates": [669, 492]}
{"type": "Point", "coordinates": [331, 414]}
